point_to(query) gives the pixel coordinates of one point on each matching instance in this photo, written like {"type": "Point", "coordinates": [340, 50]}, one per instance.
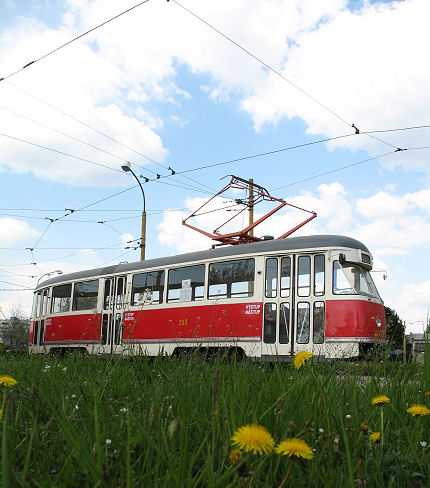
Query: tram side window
{"type": "Point", "coordinates": [231, 279]}
{"type": "Point", "coordinates": [304, 276]}
{"type": "Point", "coordinates": [319, 322]}
{"type": "Point", "coordinates": [269, 330]}
{"type": "Point", "coordinates": [61, 297]}
{"type": "Point", "coordinates": [271, 277]}
{"type": "Point", "coordinates": [85, 295]}
{"type": "Point", "coordinates": [319, 274]}
{"type": "Point", "coordinates": [285, 277]}
{"type": "Point", "coordinates": [36, 305]}
{"type": "Point", "coordinates": [147, 288]}
{"type": "Point", "coordinates": [303, 323]}
{"type": "Point", "coordinates": [186, 284]}
{"type": "Point", "coordinates": [284, 323]}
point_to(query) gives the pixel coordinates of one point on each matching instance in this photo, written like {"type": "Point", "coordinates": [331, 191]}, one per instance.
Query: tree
{"type": "Point", "coordinates": [395, 329]}
{"type": "Point", "coordinates": [14, 333]}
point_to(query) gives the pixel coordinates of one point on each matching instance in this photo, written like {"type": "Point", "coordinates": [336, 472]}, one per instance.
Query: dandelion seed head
{"type": "Point", "coordinates": [423, 443]}
{"type": "Point", "coordinates": [108, 441]}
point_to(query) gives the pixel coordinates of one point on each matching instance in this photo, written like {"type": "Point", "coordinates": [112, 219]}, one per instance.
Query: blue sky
{"type": "Point", "coordinates": [166, 86]}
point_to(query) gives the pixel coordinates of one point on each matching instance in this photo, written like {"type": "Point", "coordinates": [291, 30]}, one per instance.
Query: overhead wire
{"type": "Point", "coordinates": [275, 71]}
{"type": "Point", "coordinates": [72, 40]}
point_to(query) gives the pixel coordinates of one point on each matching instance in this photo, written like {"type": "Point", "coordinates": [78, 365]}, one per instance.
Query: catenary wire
{"type": "Point", "coordinates": [273, 70]}
{"type": "Point", "coordinates": [72, 40]}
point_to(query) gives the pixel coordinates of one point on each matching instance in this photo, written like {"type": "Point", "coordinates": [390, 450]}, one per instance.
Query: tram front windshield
{"type": "Point", "coordinates": [352, 279]}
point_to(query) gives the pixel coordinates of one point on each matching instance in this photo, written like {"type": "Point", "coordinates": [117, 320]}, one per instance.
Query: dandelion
{"type": "Point", "coordinates": [375, 437]}
{"type": "Point", "coordinates": [253, 438]}
{"type": "Point", "coordinates": [76, 407]}
{"type": "Point", "coordinates": [236, 457]}
{"type": "Point", "coordinates": [364, 428]}
{"type": "Point", "coordinates": [418, 410]}
{"type": "Point", "coordinates": [294, 448]}
{"type": "Point", "coordinates": [380, 400]}
{"type": "Point", "coordinates": [320, 430]}
{"type": "Point", "coordinates": [348, 417]}
{"type": "Point", "coordinates": [301, 358]}
{"type": "Point", "coordinates": [423, 443]}
{"type": "Point", "coordinates": [7, 380]}
{"type": "Point", "coordinates": [108, 441]}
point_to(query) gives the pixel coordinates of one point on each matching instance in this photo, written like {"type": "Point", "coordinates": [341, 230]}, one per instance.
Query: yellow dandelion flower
{"type": "Point", "coordinates": [418, 410]}
{"type": "Point", "coordinates": [380, 400]}
{"type": "Point", "coordinates": [253, 438]}
{"type": "Point", "coordinates": [301, 358]}
{"type": "Point", "coordinates": [375, 437]}
{"type": "Point", "coordinates": [236, 457]}
{"type": "Point", "coordinates": [294, 447]}
{"type": "Point", "coordinates": [7, 380]}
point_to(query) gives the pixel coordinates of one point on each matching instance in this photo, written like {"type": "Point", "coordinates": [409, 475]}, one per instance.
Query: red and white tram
{"type": "Point", "coordinates": [268, 300]}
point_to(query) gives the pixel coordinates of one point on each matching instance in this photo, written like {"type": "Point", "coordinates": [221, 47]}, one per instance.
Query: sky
{"type": "Point", "coordinates": [191, 84]}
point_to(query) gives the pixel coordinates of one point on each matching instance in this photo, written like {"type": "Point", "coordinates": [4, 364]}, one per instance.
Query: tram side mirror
{"type": "Point", "coordinates": [342, 258]}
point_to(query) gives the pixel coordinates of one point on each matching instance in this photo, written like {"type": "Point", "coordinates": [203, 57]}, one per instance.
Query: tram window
{"type": "Point", "coordinates": [148, 288]}
{"type": "Point", "coordinates": [303, 323]}
{"type": "Point", "coordinates": [36, 305]}
{"type": "Point", "coordinates": [44, 301]}
{"type": "Point", "coordinates": [231, 279]}
{"type": "Point", "coordinates": [271, 277]}
{"type": "Point", "coordinates": [85, 295]}
{"type": "Point", "coordinates": [319, 274]}
{"type": "Point", "coordinates": [61, 298]}
{"type": "Point", "coordinates": [304, 276]}
{"type": "Point", "coordinates": [121, 286]}
{"type": "Point", "coordinates": [284, 323]}
{"type": "Point", "coordinates": [107, 294]}
{"type": "Point", "coordinates": [285, 277]}
{"type": "Point", "coordinates": [269, 330]}
{"type": "Point", "coordinates": [42, 333]}
{"type": "Point", "coordinates": [186, 284]}
{"type": "Point", "coordinates": [319, 322]}
{"type": "Point", "coordinates": [36, 332]}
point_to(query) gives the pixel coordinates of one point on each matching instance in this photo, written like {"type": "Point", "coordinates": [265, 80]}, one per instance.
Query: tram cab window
{"type": "Point", "coordinates": [85, 294]}
{"type": "Point", "coordinates": [147, 288]}
{"type": "Point", "coordinates": [61, 298]}
{"type": "Point", "coordinates": [36, 305]}
{"type": "Point", "coordinates": [352, 279]}
{"type": "Point", "coordinates": [186, 284]}
{"type": "Point", "coordinates": [319, 274]}
{"type": "Point", "coordinates": [231, 279]}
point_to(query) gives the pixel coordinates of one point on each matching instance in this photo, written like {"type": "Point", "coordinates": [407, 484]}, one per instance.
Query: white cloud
{"type": "Point", "coordinates": [13, 231]}
{"type": "Point", "coordinates": [414, 304]}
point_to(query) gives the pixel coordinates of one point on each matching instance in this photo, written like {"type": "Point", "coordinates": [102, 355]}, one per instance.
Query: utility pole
{"type": "Point", "coordinates": [251, 205]}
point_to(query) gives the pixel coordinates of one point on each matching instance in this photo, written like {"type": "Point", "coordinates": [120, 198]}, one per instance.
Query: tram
{"type": "Point", "coordinates": [266, 300]}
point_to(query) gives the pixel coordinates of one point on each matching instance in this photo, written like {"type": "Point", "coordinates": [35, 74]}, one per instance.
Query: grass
{"type": "Point", "coordinates": [106, 422]}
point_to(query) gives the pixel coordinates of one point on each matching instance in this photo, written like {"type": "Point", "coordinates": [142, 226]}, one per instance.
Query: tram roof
{"type": "Point", "coordinates": [273, 245]}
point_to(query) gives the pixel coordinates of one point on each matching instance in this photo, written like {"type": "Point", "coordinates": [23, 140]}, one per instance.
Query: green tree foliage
{"type": "Point", "coordinates": [14, 333]}
{"type": "Point", "coordinates": [395, 329]}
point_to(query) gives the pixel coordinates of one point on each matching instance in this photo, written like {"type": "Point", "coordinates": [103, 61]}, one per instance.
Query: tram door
{"type": "Point", "coordinates": [294, 304]}
{"type": "Point", "coordinates": [113, 313]}
{"type": "Point", "coordinates": [277, 305]}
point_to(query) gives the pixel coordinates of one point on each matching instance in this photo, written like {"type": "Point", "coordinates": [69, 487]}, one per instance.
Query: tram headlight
{"type": "Point", "coordinates": [378, 323]}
